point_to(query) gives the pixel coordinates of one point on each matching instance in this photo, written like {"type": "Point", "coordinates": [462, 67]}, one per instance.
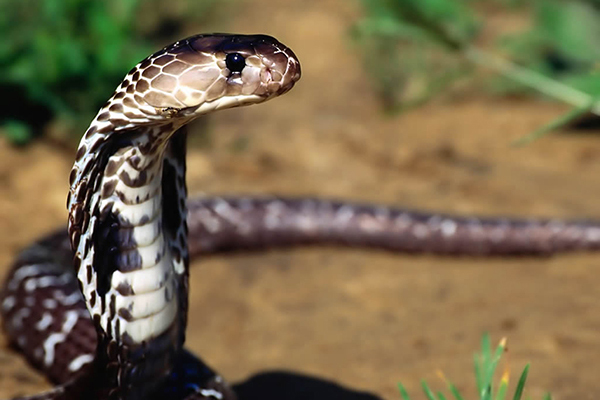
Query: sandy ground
{"type": "Point", "coordinates": [366, 319]}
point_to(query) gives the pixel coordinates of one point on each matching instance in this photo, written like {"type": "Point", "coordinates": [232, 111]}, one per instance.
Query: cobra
{"type": "Point", "coordinates": [102, 309]}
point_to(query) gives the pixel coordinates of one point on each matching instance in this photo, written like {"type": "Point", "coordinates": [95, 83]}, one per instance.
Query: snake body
{"type": "Point", "coordinates": [101, 307]}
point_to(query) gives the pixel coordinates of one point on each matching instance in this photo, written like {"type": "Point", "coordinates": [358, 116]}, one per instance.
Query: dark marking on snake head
{"type": "Point", "coordinates": [138, 99]}
{"type": "Point", "coordinates": [162, 60]}
{"type": "Point", "coordinates": [151, 72]}
{"type": "Point", "coordinates": [142, 85]}
{"type": "Point", "coordinates": [118, 108]}
{"type": "Point", "coordinates": [145, 64]}
{"type": "Point", "coordinates": [128, 101]}
{"type": "Point", "coordinates": [119, 120]}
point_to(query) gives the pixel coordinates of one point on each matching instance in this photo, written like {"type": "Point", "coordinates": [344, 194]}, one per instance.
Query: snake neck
{"type": "Point", "coordinates": [131, 257]}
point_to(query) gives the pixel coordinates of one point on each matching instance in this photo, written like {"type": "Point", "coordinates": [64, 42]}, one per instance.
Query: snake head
{"type": "Point", "coordinates": [208, 72]}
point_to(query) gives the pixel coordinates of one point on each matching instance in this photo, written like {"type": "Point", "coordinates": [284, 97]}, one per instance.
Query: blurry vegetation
{"type": "Point", "coordinates": [415, 48]}
{"type": "Point", "coordinates": [485, 364]}
{"type": "Point", "coordinates": [61, 60]}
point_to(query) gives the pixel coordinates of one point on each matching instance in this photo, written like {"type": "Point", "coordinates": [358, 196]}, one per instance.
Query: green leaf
{"type": "Point", "coordinates": [573, 26]}
{"type": "Point", "coordinates": [521, 384]}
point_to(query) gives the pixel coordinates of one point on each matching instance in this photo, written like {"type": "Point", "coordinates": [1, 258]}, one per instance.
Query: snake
{"type": "Point", "coordinates": [100, 307]}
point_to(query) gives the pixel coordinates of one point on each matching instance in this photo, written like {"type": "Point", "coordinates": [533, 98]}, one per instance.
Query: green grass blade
{"type": "Point", "coordinates": [487, 393]}
{"type": "Point", "coordinates": [485, 347]}
{"type": "Point", "coordinates": [427, 391]}
{"type": "Point", "coordinates": [503, 387]}
{"type": "Point", "coordinates": [403, 392]}
{"type": "Point", "coordinates": [478, 373]}
{"type": "Point", "coordinates": [482, 362]}
{"type": "Point", "coordinates": [555, 124]}
{"type": "Point", "coordinates": [492, 363]}
{"type": "Point", "coordinates": [455, 392]}
{"type": "Point", "coordinates": [441, 396]}
{"type": "Point", "coordinates": [501, 393]}
{"type": "Point", "coordinates": [521, 384]}
{"type": "Point", "coordinates": [451, 387]}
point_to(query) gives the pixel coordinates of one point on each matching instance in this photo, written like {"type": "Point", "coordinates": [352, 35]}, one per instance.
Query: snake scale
{"type": "Point", "coordinates": [101, 307]}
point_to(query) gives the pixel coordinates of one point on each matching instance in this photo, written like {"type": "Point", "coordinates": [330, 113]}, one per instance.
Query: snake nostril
{"type": "Point", "coordinates": [235, 62]}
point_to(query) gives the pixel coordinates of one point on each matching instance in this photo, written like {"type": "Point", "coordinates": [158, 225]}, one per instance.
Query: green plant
{"type": "Point", "coordinates": [485, 367]}
{"type": "Point", "coordinates": [62, 59]}
{"type": "Point", "coordinates": [405, 46]}
{"type": "Point", "coordinates": [435, 39]}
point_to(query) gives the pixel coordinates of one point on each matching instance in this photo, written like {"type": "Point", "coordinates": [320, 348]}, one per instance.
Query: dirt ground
{"type": "Point", "coordinates": [366, 319]}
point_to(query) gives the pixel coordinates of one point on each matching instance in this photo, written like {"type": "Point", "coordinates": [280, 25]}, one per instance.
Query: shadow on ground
{"type": "Point", "coordinates": [284, 385]}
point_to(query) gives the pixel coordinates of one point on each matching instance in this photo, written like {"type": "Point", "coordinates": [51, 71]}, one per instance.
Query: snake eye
{"type": "Point", "coordinates": [235, 62]}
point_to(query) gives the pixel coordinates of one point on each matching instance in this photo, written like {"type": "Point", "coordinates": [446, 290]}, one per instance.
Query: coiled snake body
{"type": "Point", "coordinates": [130, 244]}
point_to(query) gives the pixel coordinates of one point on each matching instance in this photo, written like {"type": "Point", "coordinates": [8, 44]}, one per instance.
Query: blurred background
{"type": "Point", "coordinates": [422, 104]}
